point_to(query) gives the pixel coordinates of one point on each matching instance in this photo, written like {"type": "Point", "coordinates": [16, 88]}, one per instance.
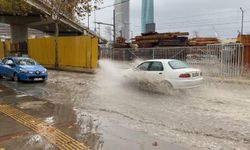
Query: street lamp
{"type": "Point", "coordinates": [242, 20]}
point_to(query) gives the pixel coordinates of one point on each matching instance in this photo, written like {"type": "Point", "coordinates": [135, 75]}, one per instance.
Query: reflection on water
{"type": "Point", "coordinates": [89, 131]}
{"type": "Point", "coordinates": [38, 142]}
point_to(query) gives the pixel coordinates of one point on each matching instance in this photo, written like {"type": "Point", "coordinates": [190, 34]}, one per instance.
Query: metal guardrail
{"type": "Point", "coordinates": [213, 60]}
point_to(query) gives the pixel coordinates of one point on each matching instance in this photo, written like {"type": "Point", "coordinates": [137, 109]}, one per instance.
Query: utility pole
{"type": "Point", "coordinates": [114, 26]}
{"type": "Point", "coordinates": [88, 20]}
{"type": "Point", "coordinates": [95, 19]}
{"type": "Point", "coordinates": [242, 21]}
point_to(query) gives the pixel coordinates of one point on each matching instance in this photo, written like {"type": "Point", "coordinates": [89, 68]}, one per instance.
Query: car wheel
{"type": "Point", "coordinates": [15, 78]}
{"type": "Point", "coordinates": [167, 84]}
{"type": "Point", "coordinates": [165, 87]}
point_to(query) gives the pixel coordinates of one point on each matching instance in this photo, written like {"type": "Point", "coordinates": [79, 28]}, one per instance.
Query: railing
{"type": "Point", "coordinates": [213, 60]}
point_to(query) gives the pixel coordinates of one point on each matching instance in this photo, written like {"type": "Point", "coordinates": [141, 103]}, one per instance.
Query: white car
{"type": "Point", "coordinates": [170, 72]}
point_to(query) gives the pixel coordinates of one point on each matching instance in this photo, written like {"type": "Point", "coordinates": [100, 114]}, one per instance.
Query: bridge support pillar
{"type": "Point", "coordinates": [19, 37]}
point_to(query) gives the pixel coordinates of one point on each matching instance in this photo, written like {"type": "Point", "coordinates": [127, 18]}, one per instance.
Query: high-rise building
{"type": "Point", "coordinates": [147, 18]}
{"type": "Point", "coordinates": [122, 17]}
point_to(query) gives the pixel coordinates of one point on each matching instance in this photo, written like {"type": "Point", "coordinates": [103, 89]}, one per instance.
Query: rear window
{"type": "Point", "coordinates": [178, 64]}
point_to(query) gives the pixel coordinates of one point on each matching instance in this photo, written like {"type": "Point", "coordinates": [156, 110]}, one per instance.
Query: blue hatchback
{"type": "Point", "coordinates": [22, 69]}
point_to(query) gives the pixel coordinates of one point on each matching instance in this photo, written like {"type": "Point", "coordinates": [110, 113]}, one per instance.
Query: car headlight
{"type": "Point", "coordinates": [44, 71]}
{"type": "Point", "coordinates": [23, 70]}
{"type": "Point", "coordinates": [31, 72]}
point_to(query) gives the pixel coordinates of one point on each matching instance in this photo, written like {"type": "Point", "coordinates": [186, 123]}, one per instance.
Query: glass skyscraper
{"type": "Point", "coordinates": [147, 14]}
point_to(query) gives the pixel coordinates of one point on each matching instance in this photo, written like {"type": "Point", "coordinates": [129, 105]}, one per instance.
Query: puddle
{"type": "Point", "coordinates": [31, 105]}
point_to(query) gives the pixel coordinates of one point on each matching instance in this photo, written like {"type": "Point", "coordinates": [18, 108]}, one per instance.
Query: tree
{"type": "Point", "coordinates": [73, 9]}
{"type": "Point", "coordinates": [15, 7]}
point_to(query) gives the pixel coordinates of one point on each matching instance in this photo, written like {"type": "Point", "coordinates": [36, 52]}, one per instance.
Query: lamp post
{"type": "Point", "coordinates": [242, 21]}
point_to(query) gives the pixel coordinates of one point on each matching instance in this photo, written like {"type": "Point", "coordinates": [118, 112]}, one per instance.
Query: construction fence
{"type": "Point", "coordinates": [77, 51]}
{"type": "Point", "coordinates": [73, 51]}
{"type": "Point", "coordinates": [213, 60]}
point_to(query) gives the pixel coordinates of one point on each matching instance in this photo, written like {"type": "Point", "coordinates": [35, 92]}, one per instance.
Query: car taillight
{"type": "Point", "coordinates": [185, 75]}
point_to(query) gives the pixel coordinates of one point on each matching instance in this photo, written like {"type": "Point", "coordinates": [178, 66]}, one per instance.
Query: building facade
{"type": "Point", "coordinates": [122, 19]}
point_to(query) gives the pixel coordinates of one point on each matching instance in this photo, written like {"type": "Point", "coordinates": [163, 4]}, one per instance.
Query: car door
{"type": "Point", "coordinates": [155, 72]}
{"type": "Point", "coordinates": [141, 72]}
{"type": "Point", "coordinates": [9, 68]}
{"type": "Point", "coordinates": [3, 66]}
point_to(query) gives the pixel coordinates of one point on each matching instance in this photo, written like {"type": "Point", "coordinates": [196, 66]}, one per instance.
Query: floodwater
{"type": "Point", "coordinates": [214, 116]}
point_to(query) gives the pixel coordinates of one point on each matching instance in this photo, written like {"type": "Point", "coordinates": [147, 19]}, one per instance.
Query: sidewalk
{"type": "Point", "coordinates": [27, 120]}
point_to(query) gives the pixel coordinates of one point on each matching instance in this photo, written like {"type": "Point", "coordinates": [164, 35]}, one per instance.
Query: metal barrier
{"type": "Point", "coordinates": [213, 60]}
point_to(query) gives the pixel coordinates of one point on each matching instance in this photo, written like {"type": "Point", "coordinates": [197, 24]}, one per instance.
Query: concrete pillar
{"type": "Point", "coordinates": [19, 37]}
{"type": "Point", "coordinates": [19, 33]}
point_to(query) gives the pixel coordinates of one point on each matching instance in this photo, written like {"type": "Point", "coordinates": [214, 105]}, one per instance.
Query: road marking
{"type": "Point", "coordinates": [53, 135]}
{"type": "Point", "coordinates": [22, 95]}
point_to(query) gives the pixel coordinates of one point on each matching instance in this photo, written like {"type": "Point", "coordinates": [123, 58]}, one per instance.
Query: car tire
{"type": "Point", "coordinates": [15, 78]}
{"type": "Point", "coordinates": [167, 84]}
{"type": "Point", "coordinates": [166, 87]}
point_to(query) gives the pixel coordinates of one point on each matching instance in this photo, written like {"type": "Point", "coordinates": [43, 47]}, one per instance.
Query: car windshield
{"type": "Point", "coordinates": [178, 64]}
{"type": "Point", "coordinates": [25, 61]}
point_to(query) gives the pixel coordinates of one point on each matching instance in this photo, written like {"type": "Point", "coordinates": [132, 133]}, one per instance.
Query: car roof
{"type": "Point", "coordinates": [14, 57]}
{"type": "Point", "coordinates": [161, 60]}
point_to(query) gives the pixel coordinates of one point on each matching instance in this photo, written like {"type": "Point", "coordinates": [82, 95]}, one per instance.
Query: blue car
{"type": "Point", "coordinates": [22, 69]}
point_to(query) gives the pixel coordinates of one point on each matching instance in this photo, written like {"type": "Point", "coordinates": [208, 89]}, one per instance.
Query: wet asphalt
{"type": "Point", "coordinates": [105, 111]}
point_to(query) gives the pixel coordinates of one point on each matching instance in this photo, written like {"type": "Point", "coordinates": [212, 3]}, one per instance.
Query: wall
{"type": "Point", "coordinates": [42, 50]}
{"type": "Point", "coordinates": [73, 52]}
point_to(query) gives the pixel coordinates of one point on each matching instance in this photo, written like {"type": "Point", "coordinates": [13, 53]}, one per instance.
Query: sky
{"type": "Point", "coordinates": [213, 18]}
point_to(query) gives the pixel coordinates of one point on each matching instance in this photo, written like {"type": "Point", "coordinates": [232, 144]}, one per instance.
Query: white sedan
{"type": "Point", "coordinates": [168, 72]}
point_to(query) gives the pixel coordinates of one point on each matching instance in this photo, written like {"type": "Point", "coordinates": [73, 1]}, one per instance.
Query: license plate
{"type": "Point", "coordinates": [195, 74]}
{"type": "Point", "coordinates": [38, 79]}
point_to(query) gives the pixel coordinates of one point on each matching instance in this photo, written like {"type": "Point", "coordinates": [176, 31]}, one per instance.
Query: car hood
{"type": "Point", "coordinates": [33, 67]}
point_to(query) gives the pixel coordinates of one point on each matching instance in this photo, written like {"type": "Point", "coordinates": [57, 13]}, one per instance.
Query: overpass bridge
{"type": "Point", "coordinates": [40, 19]}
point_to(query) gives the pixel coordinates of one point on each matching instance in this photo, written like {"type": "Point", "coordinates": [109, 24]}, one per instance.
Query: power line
{"type": "Point", "coordinates": [204, 14]}
{"type": "Point", "coordinates": [115, 4]}
{"type": "Point", "coordinates": [207, 25]}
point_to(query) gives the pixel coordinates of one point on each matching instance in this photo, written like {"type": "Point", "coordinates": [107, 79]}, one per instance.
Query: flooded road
{"type": "Point", "coordinates": [214, 116]}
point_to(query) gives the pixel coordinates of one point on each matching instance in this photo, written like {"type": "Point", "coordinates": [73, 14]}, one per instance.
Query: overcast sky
{"type": "Point", "coordinates": [207, 17]}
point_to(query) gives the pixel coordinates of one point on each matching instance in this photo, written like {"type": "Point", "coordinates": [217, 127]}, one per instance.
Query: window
{"type": "Point", "coordinates": [178, 64]}
{"type": "Point", "coordinates": [143, 66]}
{"type": "Point", "coordinates": [9, 62]}
{"type": "Point", "coordinates": [25, 61]}
{"type": "Point", "coordinates": [156, 66]}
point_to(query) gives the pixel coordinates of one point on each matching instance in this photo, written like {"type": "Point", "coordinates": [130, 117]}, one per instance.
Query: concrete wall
{"type": "Point", "coordinates": [73, 52]}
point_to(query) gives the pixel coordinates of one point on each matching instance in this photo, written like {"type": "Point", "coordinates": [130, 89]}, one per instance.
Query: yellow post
{"type": "Point", "coordinates": [1, 50]}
